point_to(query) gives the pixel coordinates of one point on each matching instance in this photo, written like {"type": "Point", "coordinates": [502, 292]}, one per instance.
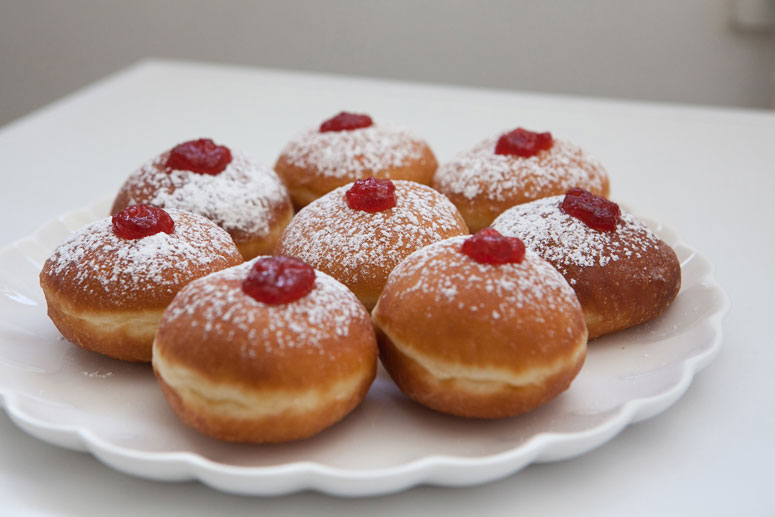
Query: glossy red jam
{"type": "Point", "coordinates": [346, 122]}
{"type": "Point", "coordinates": [202, 156]}
{"type": "Point", "coordinates": [596, 212]}
{"type": "Point", "coordinates": [371, 195]}
{"type": "Point", "coordinates": [138, 221]}
{"type": "Point", "coordinates": [524, 143]}
{"type": "Point", "coordinates": [488, 246]}
{"type": "Point", "coordinates": [278, 280]}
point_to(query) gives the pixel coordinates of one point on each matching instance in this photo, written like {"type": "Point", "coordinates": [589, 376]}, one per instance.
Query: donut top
{"type": "Point", "coordinates": [445, 276]}
{"type": "Point", "coordinates": [356, 153]}
{"type": "Point", "coordinates": [480, 171]}
{"type": "Point", "coordinates": [97, 263]}
{"type": "Point", "coordinates": [217, 304]}
{"type": "Point", "coordinates": [241, 197]}
{"type": "Point", "coordinates": [567, 241]}
{"type": "Point", "coordinates": [328, 231]}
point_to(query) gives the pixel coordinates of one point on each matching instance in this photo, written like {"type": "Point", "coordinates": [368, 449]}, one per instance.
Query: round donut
{"type": "Point", "coordinates": [361, 248]}
{"type": "Point", "coordinates": [246, 199]}
{"type": "Point", "coordinates": [315, 163]}
{"type": "Point", "coordinates": [483, 184]}
{"type": "Point", "coordinates": [240, 370]}
{"type": "Point", "coordinates": [106, 293]}
{"type": "Point", "coordinates": [479, 340]}
{"type": "Point", "coordinates": [622, 277]}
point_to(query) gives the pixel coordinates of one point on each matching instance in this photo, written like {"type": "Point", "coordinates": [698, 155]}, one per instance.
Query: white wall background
{"type": "Point", "coordinates": [685, 51]}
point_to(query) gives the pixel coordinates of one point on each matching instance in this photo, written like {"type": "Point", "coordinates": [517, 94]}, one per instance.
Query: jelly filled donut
{"type": "Point", "coordinates": [246, 199]}
{"type": "Point", "coordinates": [359, 232]}
{"type": "Point", "coordinates": [622, 273]}
{"type": "Point", "coordinates": [108, 284]}
{"type": "Point", "coordinates": [268, 351]}
{"type": "Point", "coordinates": [478, 327]}
{"type": "Point", "coordinates": [348, 147]}
{"type": "Point", "coordinates": [515, 168]}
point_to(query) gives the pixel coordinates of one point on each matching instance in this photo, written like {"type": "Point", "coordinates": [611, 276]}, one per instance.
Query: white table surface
{"type": "Point", "coordinates": [708, 173]}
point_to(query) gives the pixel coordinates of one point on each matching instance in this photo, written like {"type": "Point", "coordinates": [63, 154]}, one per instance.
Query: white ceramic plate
{"type": "Point", "coordinates": [80, 400]}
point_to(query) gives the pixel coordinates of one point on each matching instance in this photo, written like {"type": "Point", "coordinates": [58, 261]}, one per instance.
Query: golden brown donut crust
{"type": "Point", "coordinates": [315, 163]}
{"type": "Point", "coordinates": [482, 184]}
{"type": "Point", "coordinates": [251, 247]}
{"type": "Point", "coordinates": [622, 278]}
{"type": "Point", "coordinates": [449, 395]}
{"type": "Point", "coordinates": [106, 294]}
{"type": "Point", "coordinates": [247, 200]}
{"type": "Point", "coordinates": [359, 248]}
{"type": "Point", "coordinates": [125, 335]}
{"type": "Point", "coordinates": [479, 340]}
{"type": "Point", "coordinates": [219, 354]}
{"type": "Point", "coordinates": [275, 428]}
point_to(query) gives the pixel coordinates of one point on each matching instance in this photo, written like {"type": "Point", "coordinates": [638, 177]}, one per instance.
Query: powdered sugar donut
{"type": "Point", "coordinates": [360, 248]}
{"type": "Point", "coordinates": [482, 183]}
{"type": "Point", "coordinates": [622, 277]}
{"type": "Point", "coordinates": [240, 369]}
{"type": "Point", "coordinates": [349, 147]}
{"type": "Point", "coordinates": [106, 293]}
{"type": "Point", "coordinates": [246, 199]}
{"type": "Point", "coordinates": [483, 340]}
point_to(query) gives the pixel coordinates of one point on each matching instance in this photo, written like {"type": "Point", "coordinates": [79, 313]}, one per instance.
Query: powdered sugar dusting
{"type": "Point", "coordinates": [98, 262]}
{"type": "Point", "coordinates": [353, 154]}
{"type": "Point", "coordinates": [481, 172]}
{"type": "Point", "coordinates": [242, 197]}
{"type": "Point", "coordinates": [450, 278]}
{"type": "Point", "coordinates": [566, 241]}
{"type": "Point", "coordinates": [307, 322]}
{"type": "Point", "coordinates": [329, 232]}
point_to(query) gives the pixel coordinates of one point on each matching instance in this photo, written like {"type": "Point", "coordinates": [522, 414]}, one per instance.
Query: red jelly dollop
{"type": "Point", "coordinates": [371, 195]}
{"type": "Point", "coordinates": [596, 212]}
{"type": "Point", "coordinates": [138, 221]}
{"type": "Point", "coordinates": [346, 122]}
{"type": "Point", "coordinates": [488, 246]}
{"type": "Point", "coordinates": [202, 156]}
{"type": "Point", "coordinates": [278, 280]}
{"type": "Point", "coordinates": [524, 143]}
